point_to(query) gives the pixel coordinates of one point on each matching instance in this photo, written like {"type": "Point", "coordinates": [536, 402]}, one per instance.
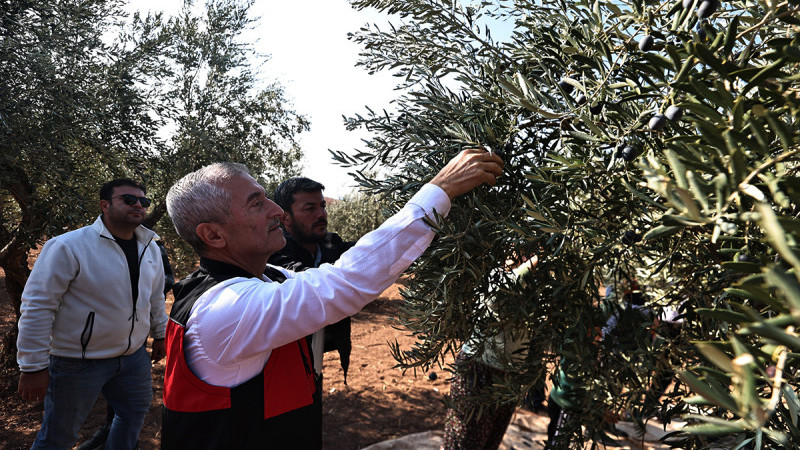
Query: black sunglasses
{"type": "Point", "coordinates": [130, 200]}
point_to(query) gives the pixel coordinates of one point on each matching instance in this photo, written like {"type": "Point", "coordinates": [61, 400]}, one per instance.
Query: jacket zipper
{"type": "Point", "coordinates": [133, 317]}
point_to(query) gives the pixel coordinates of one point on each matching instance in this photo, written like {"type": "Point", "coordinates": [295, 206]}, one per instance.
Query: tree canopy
{"type": "Point", "coordinates": [355, 215]}
{"type": "Point", "coordinates": [647, 143]}
{"type": "Point", "coordinates": [89, 93]}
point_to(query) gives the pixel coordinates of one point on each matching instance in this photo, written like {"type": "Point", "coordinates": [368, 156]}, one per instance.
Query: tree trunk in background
{"type": "Point", "coordinates": [15, 266]}
{"type": "Point", "coordinates": [155, 214]}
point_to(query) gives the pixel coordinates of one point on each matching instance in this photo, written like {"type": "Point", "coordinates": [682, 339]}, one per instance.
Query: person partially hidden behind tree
{"type": "Point", "coordinates": [97, 441]}
{"type": "Point", "coordinates": [91, 300]}
{"type": "Point", "coordinates": [472, 424]}
{"type": "Point", "coordinates": [238, 373]}
{"type": "Point", "coordinates": [309, 244]}
{"type": "Point", "coordinates": [628, 323]}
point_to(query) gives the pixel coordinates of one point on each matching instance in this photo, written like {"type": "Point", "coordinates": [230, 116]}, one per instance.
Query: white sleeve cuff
{"type": "Point", "coordinates": [431, 197]}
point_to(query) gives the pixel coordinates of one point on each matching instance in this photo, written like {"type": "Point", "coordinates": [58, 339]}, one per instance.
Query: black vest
{"type": "Point", "coordinates": [271, 410]}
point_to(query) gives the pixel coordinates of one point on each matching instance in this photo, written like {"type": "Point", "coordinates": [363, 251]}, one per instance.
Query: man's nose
{"type": "Point", "coordinates": [274, 209]}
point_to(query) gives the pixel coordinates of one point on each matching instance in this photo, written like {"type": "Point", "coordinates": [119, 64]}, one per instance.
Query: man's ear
{"type": "Point", "coordinates": [104, 205]}
{"type": "Point", "coordinates": [211, 235]}
{"type": "Point", "coordinates": [286, 220]}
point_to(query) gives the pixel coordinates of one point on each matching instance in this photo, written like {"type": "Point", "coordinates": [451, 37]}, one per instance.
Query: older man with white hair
{"type": "Point", "coordinates": [238, 372]}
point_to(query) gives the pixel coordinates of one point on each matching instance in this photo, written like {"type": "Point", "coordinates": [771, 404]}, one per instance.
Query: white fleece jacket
{"type": "Point", "coordinates": [77, 301]}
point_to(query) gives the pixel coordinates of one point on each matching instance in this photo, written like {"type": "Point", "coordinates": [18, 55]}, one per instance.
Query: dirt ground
{"type": "Point", "coordinates": [380, 406]}
{"type": "Point", "coordinates": [378, 403]}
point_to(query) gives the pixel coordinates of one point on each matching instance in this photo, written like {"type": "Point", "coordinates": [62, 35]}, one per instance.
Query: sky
{"type": "Point", "coordinates": [315, 62]}
{"type": "Point", "coordinates": [312, 58]}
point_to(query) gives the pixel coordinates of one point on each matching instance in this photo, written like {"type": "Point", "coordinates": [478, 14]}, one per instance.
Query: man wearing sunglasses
{"type": "Point", "coordinates": [89, 304]}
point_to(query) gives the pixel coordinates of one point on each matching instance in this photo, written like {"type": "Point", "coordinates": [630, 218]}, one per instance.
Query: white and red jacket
{"type": "Point", "coordinates": [271, 410]}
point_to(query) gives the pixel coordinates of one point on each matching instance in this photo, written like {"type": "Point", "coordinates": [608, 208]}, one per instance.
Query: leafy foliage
{"type": "Point", "coordinates": [355, 215]}
{"type": "Point", "coordinates": [209, 94]}
{"type": "Point", "coordinates": [89, 94]}
{"type": "Point", "coordinates": [642, 144]}
{"type": "Point", "coordinates": [68, 117]}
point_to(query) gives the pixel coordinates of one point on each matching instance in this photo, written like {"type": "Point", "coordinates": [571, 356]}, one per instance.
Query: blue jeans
{"type": "Point", "coordinates": [75, 385]}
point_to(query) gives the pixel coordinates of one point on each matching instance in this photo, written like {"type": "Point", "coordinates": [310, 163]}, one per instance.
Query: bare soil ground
{"type": "Point", "coordinates": [378, 403]}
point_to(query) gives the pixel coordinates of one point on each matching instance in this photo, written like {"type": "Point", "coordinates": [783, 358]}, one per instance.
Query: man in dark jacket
{"type": "Point", "coordinates": [309, 244]}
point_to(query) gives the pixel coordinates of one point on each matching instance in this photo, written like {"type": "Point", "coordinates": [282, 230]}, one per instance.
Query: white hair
{"type": "Point", "coordinates": [199, 198]}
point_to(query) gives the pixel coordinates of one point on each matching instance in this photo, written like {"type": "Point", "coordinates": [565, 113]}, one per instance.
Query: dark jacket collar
{"type": "Point", "coordinates": [223, 270]}
{"type": "Point", "coordinates": [295, 248]}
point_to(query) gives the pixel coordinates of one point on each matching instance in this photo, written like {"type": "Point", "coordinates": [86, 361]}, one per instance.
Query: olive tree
{"type": "Point", "coordinates": [355, 215]}
{"type": "Point", "coordinates": [215, 106]}
{"type": "Point", "coordinates": [645, 143]}
{"type": "Point", "coordinates": [69, 114]}
{"type": "Point", "coordinates": [88, 94]}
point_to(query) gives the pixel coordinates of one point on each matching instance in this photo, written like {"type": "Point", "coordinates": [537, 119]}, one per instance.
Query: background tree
{"type": "Point", "coordinates": [216, 106]}
{"type": "Point", "coordinates": [87, 95]}
{"type": "Point", "coordinates": [650, 142]}
{"type": "Point", "coordinates": [355, 215]}
{"type": "Point", "coordinates": [69, 115]}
